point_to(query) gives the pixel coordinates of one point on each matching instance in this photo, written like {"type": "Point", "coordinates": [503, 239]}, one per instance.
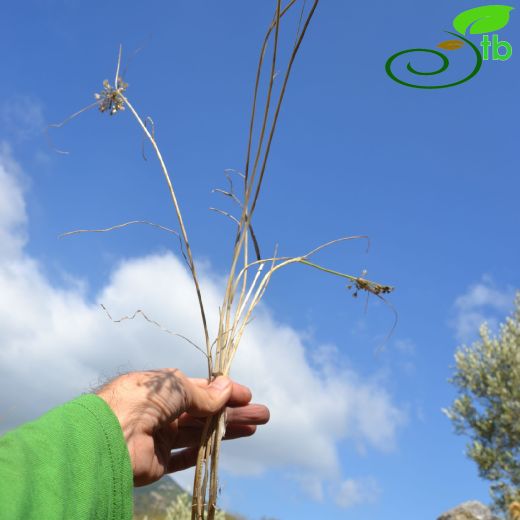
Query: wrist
{"type": "Point", "coordinates": [120, 398]}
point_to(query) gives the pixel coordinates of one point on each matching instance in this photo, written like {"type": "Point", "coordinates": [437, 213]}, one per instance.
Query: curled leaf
{"type": "Point", "coordinates": [451, 45]}
{"type": "Point", "coordinates": [484, 19]}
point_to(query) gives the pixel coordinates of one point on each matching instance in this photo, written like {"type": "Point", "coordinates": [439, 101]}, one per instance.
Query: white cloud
{"type": "Point", "coordinates": [12, 206]}
{"type": "Point", "coordinates": [21, 117]}
{"type": "Point", "coordinates": [355, 492]}
{"type": "Point", "coordinates": [56, 344]}
{"type": "Point", "coordinates": [482, 302]}
{"type": "Point", "coordinates": [405, 346]}
{"type": "Point", "coordinates": [312, 485]}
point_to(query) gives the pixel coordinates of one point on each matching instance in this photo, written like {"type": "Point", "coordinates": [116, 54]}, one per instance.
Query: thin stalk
{"type": "Point", "coordinates": [257, 84]}
{"type": "Point", "coordinates": [246, 217]}
{"type": "Point", "coordinates": [279, 105]}
{"type": "Point", "coordinates": [268, 101]}
{"type": "Point", "coordinates": [184, 234]}
{"type": "Point", "coordinates": [330, 271]}
{"type": "Point", "coordinates": [234, 317]}
{"type": "Point", "coordinates": [361, 283]}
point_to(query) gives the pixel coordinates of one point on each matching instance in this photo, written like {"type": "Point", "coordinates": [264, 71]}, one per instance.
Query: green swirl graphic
{"type": "Point", "coordinates": [442, 68]}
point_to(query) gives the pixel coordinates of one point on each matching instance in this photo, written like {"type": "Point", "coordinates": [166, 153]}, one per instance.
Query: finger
{"type": "Point", "coordinates": [191, 437]}
{"type": "Point", "coordinates": [240, 394]}
{"type": "Point", "coordinates": [207, 400]}
{"type": "Point", "coordinates": [237, 431]}
{"type": "Point", "coordinates": [249, 414]}
{"type": "Point", "coordinates": [182, 459]}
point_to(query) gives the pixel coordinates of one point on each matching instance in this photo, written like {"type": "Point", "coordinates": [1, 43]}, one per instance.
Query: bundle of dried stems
{"type": "Point", "coordinates": [250, 273]}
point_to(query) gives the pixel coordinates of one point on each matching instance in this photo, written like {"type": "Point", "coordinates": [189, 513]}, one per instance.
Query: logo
{"type": "Point", "coordinates": [483, 21]}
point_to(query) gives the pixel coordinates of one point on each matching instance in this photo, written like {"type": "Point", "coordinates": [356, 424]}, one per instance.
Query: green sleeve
{"type": "Point", "coordinates": [70, 463]}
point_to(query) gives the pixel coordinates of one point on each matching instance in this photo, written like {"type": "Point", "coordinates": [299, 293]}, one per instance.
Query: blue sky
{"type": "Point", "coordinates": [430, 176]}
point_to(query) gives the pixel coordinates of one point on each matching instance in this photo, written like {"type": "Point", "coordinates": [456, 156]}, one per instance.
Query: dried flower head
{"type": "Point", "coordinates": [110, 99]}
{"type": "Point", "coordinates": [361, 284]}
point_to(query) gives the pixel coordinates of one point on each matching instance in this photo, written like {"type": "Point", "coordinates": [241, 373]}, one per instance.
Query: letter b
{"type": "Point", "coordinates": [497, 45]}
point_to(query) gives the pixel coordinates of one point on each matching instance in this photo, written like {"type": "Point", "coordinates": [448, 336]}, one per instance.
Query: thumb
{"type": "Point", "coordinates": [207, 400]}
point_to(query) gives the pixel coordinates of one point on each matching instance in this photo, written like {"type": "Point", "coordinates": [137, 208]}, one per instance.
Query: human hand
{"type": "Point", "coordinates": [164, 410]}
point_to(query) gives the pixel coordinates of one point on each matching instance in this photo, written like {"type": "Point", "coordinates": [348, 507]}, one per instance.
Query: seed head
{"type": "Point", "coordinates": [110, 99]}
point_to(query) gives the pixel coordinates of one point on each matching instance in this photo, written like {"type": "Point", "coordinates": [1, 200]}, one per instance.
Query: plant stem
{"type": "Point", "coordinates": [184, 234]}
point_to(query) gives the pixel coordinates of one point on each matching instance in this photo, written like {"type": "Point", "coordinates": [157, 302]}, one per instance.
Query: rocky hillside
{"type": "Point", "coordinates": [150, 502]}
{"type": "Point", "coordinates": [153, 500]}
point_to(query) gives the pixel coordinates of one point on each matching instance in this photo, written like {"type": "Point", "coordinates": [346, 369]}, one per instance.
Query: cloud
{"type": "Point", "coordinates": [13, 217]}
{"type": "Point", "coordinates": [56, 343]}
{"type": "Point", "coordinates": [354, 492]}
{"type": "Point", "coordinates": [21, 117]}
{"type": "Point", "coordinates": [405, 346]}
{"type": "Point", "coordinates": [312, 485]}
{"type": "Point", "coordinates": [482, 302]}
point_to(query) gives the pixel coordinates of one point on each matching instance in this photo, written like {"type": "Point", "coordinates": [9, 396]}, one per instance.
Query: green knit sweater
{"type": "Point", "coordinates": [71, 463]}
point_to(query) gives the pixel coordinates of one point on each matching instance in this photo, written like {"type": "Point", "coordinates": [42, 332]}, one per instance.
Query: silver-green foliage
{"type": "Point", "coordinates": [488, 407]}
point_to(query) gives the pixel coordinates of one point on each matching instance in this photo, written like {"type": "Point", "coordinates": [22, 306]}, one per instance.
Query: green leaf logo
{"type": "Point", "coordinates": [481, 20]}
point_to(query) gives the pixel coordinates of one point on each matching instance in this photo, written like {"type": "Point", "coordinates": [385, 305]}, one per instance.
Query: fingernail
{"type": "Point", "coordinates": [221, 383]}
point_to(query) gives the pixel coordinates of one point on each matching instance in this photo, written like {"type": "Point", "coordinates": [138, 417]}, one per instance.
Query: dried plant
{"type": "Point", "coordinates": [249, 273]}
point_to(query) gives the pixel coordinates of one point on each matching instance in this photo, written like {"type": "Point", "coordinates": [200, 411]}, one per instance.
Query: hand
{"type": "Point", "coordinates": [163, 410]}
